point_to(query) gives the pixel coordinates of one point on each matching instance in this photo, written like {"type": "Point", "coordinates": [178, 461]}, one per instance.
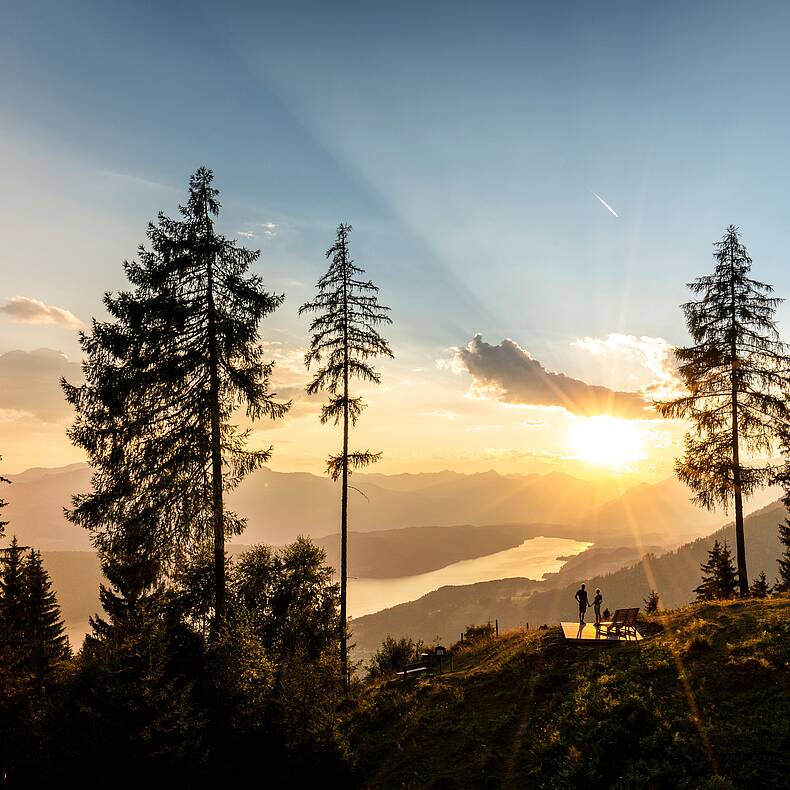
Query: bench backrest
{"type": "Point", "coordinates": [625, 616]}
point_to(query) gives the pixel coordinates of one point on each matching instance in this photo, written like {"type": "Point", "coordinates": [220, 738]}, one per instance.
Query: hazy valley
{"type": "Point", "coordinates": [409, 532]}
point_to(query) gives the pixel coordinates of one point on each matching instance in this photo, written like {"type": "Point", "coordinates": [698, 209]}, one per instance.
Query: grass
{"type": "Point", "coordinates": [703, 702]}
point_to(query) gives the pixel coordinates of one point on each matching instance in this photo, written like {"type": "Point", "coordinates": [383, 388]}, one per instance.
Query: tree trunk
{"type": "Point", "coordinates": [216, 460]}
{"type": "Point", "coordinates": [344, 492]}
{"type": "Point", "coordinates": [344, 545]}
{"type": "Point", "coordinates": [740, 543]}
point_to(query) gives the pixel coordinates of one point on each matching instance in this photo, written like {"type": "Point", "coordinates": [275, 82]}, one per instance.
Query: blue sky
{"type": "Point", "coordinates": [462, 141]}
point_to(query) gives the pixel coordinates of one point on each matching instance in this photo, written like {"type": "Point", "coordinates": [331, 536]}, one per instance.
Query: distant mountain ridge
{"type": "Point", "coordinates": [281, 505]}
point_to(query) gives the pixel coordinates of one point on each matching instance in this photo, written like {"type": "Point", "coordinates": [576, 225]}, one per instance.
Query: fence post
{"type": "Point", "coordinates": [496, 625]}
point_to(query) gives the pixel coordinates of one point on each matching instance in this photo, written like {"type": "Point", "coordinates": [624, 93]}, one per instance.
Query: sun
{"type": "Point", "coordinates": [606, 441]}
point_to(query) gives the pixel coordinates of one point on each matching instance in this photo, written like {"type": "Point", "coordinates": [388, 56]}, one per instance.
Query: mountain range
{"type": "Point", "coordinates": [279, 506]}
{"type": "Point", "coordinates": [410, 524]}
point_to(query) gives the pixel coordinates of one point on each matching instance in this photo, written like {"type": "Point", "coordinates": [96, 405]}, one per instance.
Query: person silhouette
{"type": "Point", "coordinates": [597, 601]}
{"type": "Point", "coordinates": [581, 597]}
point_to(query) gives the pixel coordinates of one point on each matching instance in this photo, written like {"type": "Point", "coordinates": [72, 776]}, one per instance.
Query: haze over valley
{"type": "Point", "coordinates": [412, 533]}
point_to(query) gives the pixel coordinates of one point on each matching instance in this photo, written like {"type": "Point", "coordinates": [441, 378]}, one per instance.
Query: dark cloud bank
{"type": "Point", "coordinates": [518, 378]}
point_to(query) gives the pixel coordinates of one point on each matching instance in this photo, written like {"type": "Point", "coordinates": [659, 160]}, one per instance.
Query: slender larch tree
{"type": "Point", "coordinates": [345, 338]}
{"type": "Point", "coordinates": [3, 503]}
{"type": "Point", "coordinates": [736, 377]}
{"type": "Point", "coordinates": [163, 380]}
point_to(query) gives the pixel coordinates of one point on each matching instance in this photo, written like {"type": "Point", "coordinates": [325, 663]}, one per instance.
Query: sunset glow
{"type": "Point", "coordinates": [607, 441]}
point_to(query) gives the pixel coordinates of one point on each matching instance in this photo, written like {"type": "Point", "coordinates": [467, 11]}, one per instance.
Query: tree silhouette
{"type": "Point", "coordinates": [783, 582]}
{"type": "Point", "coordinates": [3, 503]}
{"type": "Point", "coordinates": [163, 379]}
{"type": "Point", "coordinates": [33, 639]}
{"type": "Point", "coordinates": [735, 375]}
{"type": "Point", "coordinates": [783, 479]}
{"type": "Point", "coordinates": [760, 587]}
{"type": "Point", "coordinates": [719, 577]}
{"type": "Point", "coordinates": [12, 605]}
{"type": "Point", "coordinates": [46, 641]}
{"type": "Point", "coordinates": [651, 602]}
{"type": "Point", "coordinates": [345, 337]}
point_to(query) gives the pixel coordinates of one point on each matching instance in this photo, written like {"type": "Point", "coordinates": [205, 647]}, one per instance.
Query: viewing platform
{"type": "Point", "coordinates": [588, 634]}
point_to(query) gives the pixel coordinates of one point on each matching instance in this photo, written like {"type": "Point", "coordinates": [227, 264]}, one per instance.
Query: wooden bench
{"type": "Point", "coordinates": [427, 660]}
{"type": "Point", "coordinates": [422, 665]}
{"type": "Point", "coordinates": [623, 620]}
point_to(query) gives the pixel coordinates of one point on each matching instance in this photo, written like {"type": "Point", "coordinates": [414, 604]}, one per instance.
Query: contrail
{"type": "Point", "coordinates": [606, 204]}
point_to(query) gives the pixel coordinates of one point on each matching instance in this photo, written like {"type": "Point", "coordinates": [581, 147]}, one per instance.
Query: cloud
{"type": "Point", "coordinates": [247, 234]}
{"type": "Point", "coordinates": [31, 383]}
{"type": "Point", "coordinates": [24, 310]}
{"type": "Point", "coordinates": [269, 228]}
{"type": "Point", "coordinates": [510, 374]}
{"type": "Point", "coordinates": [654, 354]}
{"type": "Point", "coordinates": [533, 424]}
{"type": "Point", "coordinates": [134, 180]}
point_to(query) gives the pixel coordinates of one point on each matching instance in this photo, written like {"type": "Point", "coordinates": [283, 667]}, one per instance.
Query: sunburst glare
{"type": "Point", "coordinates": [606, 441]}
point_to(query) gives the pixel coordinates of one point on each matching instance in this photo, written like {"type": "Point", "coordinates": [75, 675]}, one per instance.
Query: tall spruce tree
{"type": "Point", "coordinates": [345, 337]}
{"type": "Point", "coordinates": [719, 577]}
{"type": "Point", "coordinates": [45, 637]}
{"type": "Point", "coordinates": [736, 375]}
{"type": "Point", "coordinates": [163, 379]}
{"type": "Point", "coordinates": [12, 605]}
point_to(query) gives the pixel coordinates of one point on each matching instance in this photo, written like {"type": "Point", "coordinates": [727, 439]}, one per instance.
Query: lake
{"type": "Point", "coordinates": [531, 560]}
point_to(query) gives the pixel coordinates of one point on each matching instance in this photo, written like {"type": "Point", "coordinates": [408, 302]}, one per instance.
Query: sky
{"type": "Point", "coordinates": [531, 185]}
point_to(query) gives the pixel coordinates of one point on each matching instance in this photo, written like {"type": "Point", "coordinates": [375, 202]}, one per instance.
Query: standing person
{"type": "Point", "coordinates": [597, 601]}
{"type": "Point", "coordinates": [581, 597]}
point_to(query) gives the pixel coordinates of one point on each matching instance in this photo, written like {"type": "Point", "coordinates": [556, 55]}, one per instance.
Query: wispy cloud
{"type": "Point", "coordinates": [533, 424]}
{"type": "Point", "coordinates": [510, 374]}
{"type": "Point", "coordinates": [269, 228]}
{"type": "Point", "coordinates": [134, 180]}
{"type": "Point", "coordinates": [25, 310]}
{"type": "Point", "coordinates": [654, 354]}
{"type": "Point", "coordinates": [605, 204]}
{"type": "Point", "coordinates": [247, 234]}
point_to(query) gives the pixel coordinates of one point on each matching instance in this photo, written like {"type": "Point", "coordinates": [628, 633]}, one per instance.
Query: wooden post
{"type": "Point", "coordinates": [462, 637]}
{"type": "Point", "coordinates": [496, 625]}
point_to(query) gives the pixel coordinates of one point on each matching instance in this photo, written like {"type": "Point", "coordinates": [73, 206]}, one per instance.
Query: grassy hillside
{"type": "Point", "coordinates": [444, 613]}
{"type": "Point", "coordinates": [703, 702]}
